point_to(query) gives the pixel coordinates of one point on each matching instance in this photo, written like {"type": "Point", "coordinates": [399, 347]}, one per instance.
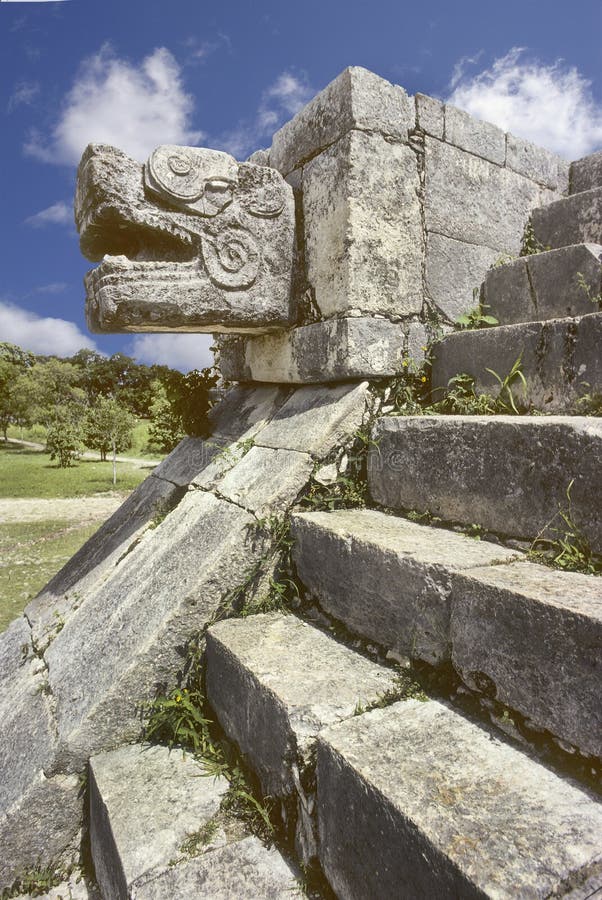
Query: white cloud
{"type": "Point", "coordinates": [551, 105]}
{"type": "Point", "coordinates": [59, 213]}
{"type": "Point", "coordinates": [113, 101]}
{"type": "Point", "coordinates": [279, 102]}
{"type": "Point", "coordinates": [179, 351]}
{"type": "Point", "coordinates": [24, 93]}
{"type": "Point", "coordinates": [43, 335]}
{"type": "Point", "coordinates": [55, 287]}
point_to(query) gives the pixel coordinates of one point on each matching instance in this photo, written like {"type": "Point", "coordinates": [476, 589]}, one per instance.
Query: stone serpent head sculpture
{"type": "Point", "coordinates": [190, 241]}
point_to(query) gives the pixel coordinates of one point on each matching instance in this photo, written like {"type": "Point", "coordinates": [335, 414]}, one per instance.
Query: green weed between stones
{"type": "Point", "coordinates": [590, 403]}
{"type": "Point", "coordinates": [570, 549]}
{"type": "Point", "coordinates": [37, 882]}
{"type": "Point", "coordinates": [476, 317]}
{"type": "Point", "coordinates": [530, 245]}
{"type": "Point", "coordinates": [595, 299]}
{"type": "Point", "coordinates": [179, 720]}
{"type": "Point", "coordinates": [405, 687]}
{"type": "Point", "coordinates": [348, 488]}
{"type": "Point", "coordinates": [410, 394]}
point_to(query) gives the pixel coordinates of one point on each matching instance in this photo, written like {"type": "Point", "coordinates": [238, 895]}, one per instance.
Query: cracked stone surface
{"type": "Point", "coordinates": [586, 173]}
{"type": "Point", "coordinates": [134, 598]}
{"type": "Point", "coordinates": [415, 800]}
{"type": "Point", "coordinates": [547, 285]}
{"type": "Point", "coordinates": [560, 360]}
{"type": "Point", "coordinates": [246, 870]}
{"type": "Point", "coordinates": [363, 229]}
{"type": "Point", "coordinates": [536, 635]}
{"type": "Point", "coordinates": [334, 350]}
{"type": "Point", "coordinates": [572, 220]}
{"type": "Point", "coordinates": [509, 474]}
{"type": "Point", "coordinates": [387, 579]}
{"type": "Point", "coordinates": [144, 802]}
{"type": "Point", "coordinates": [274, 682]}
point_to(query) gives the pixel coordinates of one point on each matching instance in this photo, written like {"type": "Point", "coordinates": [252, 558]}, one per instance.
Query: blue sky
{"type": "Point", "coordinates": [138, 73]}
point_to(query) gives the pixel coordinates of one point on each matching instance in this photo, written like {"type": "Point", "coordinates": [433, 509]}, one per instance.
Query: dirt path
{"type": "Point", "coordinates": [138, 463]}
{"type": "Point", "coordinates": [78, 509]}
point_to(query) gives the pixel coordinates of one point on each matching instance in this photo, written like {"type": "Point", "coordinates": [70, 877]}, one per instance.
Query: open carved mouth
{"type": "Point", "coordinates": [185, 241]}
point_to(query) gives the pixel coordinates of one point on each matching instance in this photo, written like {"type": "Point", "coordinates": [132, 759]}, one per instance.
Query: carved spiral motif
{"type": "Point", "coordinates": [231, 258]}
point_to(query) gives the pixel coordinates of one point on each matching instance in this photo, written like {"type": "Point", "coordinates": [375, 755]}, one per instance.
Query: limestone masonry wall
{"type": "Point", "coordinates": [403, 203]}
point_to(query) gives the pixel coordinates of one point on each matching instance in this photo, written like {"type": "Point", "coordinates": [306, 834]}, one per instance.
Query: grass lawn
{"type": "Point", "coordinates": [30, 473]}
{"type": "Point", "coordinates": [139, 448]}
{"type": "Point", "coordinates": [30, 554]}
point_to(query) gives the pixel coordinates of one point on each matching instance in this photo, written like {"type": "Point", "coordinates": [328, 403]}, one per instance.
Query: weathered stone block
{"type": "Point", "coordinates": [478, 137]}
{"type": "Point", "coordinates": [473, 200]}
{"type": "Point", "coordinates": [363, 235]}
{"type": "Point", "coordinates": [194, 241]}
{"type": "Point", "coordinates": [586, 173]}
{"type": "Point", "coordinates": [266, 481]}
{"type": "Point", "coordinates": [246, 870]}
{"type": "Point", "coordinates": [335, 350]}
{"type": "Point", "coordinates": [560, 360]}
{"type": "Point", "coordinates": [535, 636]}
{"type": "Point", "coordinates": [245, 410]}
{"type": "Point", "coordinates": [572, 220]}
{"type": "Point", "coordinates": [454, 269]}
{"type": "Point", "coordinates": [387, 579]}
{"type": "Point", "coordinates": [42, 827]}
{"type": "Point", "coordinates": [545, 285]}
{"type": "Point", "coordinates": [356, 99]}
{"type": "Point", "coordinates": [144, 802]}
{"type": "Point", "coordinates": [38, 813]}
{"type": "Point", "coordinates": [508, 294]}
{"type": "Point", "coordinates": [565, 281]}
{"type": "Point", "coordinates": [128, 635]}
{"type": "Point", "coordinates": [274, 683]}
{"type": "Point", "coordinates": [536, 163]}
{"type": "Point", "coordinates": [63, 594]}
{"type": "Point", "coordinates": [430, 115]}
{"type": "Point", "coordinates": [509, 474]}
{"type": "Point", "coordinates": [416, 801]}
{"type": "Point", "coordinates": [316, 419]}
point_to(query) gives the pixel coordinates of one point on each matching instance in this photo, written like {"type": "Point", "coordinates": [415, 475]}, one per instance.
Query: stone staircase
{"type": "Point", "coordinates": [394, 794]}
{"type": "Point", "coordinates": [548, 306]}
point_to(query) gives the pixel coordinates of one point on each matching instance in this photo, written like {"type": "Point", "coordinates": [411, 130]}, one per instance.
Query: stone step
{"type": "Point", "coordinates": [417, 801]}
{"type": "Point", "coordinates": [431, 594]}
{"type": "Point", "coordinates": [573, 220]}
{"type": "Point", "coordinates": [274, 682]}
{"type": "Point", "coordinates": [509, 474]}
{"type": "Point", "coordinates": [560, 360]}
{"type": "Point", "coordinates": [564, 282]}
{"type": "Point", "coordinates": [386, 578]}
{"type": "Point", "coordinates": [586, 173]}
{"type": "Point", "coordinates": [156, 831]}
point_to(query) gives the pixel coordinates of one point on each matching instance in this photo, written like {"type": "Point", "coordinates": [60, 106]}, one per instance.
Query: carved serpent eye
{"type": "Point", "coordinates": [198, 180]}
{"type": "Point", "coordinates": [179, 165]}
{"type": "Point", "coordinates": [173, 171]}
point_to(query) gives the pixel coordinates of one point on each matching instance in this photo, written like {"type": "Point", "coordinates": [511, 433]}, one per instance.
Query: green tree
{"type": "Point", "coordinates": [165, 430]}
{"type": "Point", "coordinates": [180, 406]}
{"type": "Point", "coordinates": [64, 438]}
{"type": "Point", "coordinates": [15, 400]}
{"type": "Point", "coordinates": [108, 427]}
{"type": "Point", "coordinates": [57, 384]}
